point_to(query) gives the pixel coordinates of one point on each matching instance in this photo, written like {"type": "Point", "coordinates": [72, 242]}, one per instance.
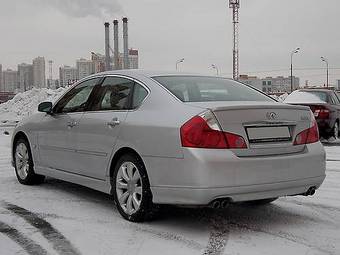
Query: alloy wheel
{"type": "Point", "coordinates": [22, 160]}
{"type": "Point", "coordinates": [129, 188]}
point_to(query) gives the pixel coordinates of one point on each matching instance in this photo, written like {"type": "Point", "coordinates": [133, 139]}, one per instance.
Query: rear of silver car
{"type": "Point", "coordinates": [270, 150]}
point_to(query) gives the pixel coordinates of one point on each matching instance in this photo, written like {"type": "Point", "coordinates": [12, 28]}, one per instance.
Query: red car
{"type": "Point", "coordinates": [325, 105]}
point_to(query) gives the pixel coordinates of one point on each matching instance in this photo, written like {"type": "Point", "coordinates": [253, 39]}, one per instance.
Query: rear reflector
{"type": "Point", "coordinates": [235, 141]}
{"type": "Point", "coordinates": [308, 136]}
{"type": "Point", "coordinates": [204, 132]}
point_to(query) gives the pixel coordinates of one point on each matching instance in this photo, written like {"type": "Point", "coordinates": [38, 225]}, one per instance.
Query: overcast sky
{"type": "Point", "coordinates": [164, 31]}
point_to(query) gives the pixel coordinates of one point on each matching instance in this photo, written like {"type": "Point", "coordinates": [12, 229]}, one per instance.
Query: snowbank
{"type": "Point", "coordinates": [26, 103]}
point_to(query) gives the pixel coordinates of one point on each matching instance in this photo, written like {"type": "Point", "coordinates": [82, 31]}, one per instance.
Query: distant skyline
{"type": "Point", "coordinates": [165, 31]}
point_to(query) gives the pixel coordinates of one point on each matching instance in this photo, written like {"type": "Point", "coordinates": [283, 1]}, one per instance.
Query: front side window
{"type": "Point", "coordinates": [206, 89]}
{"type": "Point", "coordinates": [76, 100]}
{"type": "Point", "coordinates": [114, 94]}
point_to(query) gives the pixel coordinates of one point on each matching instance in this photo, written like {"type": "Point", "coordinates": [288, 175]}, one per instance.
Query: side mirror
{"type": "Point", "coordinates": [45, 107]}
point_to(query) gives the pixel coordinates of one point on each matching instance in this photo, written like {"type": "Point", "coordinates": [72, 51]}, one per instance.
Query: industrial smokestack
{"type": "Point", "coordinates": [116, 44]}
{"type": "Point", "coordinates": [126, 43]}
{"type": "Point", "coordinates": [107, 46]}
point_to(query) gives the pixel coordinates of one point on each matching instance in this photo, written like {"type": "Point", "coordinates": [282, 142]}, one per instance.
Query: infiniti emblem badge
{"type": "Point", "coordinates": [271, 116]}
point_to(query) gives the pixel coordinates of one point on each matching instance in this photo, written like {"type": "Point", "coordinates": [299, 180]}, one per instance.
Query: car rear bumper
{"type": "Point", "coordinates": [192, 196]}
{"type": "Point", "coordinates": [205, 175]}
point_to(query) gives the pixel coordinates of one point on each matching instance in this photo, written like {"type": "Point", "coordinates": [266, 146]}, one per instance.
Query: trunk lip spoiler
{"type": "Point", "coordinates": [268, 107]}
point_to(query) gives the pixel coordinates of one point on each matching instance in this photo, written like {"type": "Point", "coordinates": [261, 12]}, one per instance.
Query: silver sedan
{"type": "Point", "coordinates": [156, 138]}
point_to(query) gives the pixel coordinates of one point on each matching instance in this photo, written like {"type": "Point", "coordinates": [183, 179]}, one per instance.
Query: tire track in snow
{"type": "Point", "coordinates": [218, 236]}
{"type": "Point", "coordinates": [320, 209]}
{"type": "Point", "coordinates": [314, 205]}
{"type": "Point", "coordinates": [169, 237]}
{"type": "Point", "coordinates": [283, 235]}
{"type": "Point", "coordinates": [24, 242]}
{"type": "Point", "coordinates": [58, 240]}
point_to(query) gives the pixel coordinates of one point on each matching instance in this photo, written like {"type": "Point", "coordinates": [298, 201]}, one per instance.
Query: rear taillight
{"type": "Point", "coordinates": [203, 131]}
{"type": "Point", "coordinates": [321, 112]}
{"type": "Point", "coordinates": [310, 135]}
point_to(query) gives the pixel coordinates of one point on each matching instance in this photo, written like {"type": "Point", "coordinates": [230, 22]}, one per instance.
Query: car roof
{"type": "Point", "coordinates": [150, 73]}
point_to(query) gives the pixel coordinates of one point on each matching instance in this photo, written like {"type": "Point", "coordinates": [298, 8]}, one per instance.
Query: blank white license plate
{"type": "Point", "coordinates": [268, 133]}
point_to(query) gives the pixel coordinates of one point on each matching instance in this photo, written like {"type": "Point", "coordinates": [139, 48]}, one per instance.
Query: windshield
{"type": "Point", "coordinates": [206, 89]}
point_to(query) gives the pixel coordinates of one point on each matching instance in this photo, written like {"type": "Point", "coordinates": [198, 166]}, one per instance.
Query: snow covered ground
{"type": "Point", "coordinates": [63, 218]}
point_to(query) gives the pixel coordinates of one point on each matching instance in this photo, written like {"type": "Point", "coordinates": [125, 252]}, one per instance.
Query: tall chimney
{"type": "Point", "coordinates": [107, 46]}
{"type": "Point", "coordinates": [116, 44]}
{"type": "Point", "coordinates": [126, 43]}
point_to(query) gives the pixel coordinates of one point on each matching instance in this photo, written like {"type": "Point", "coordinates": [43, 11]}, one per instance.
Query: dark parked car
{"type": "Point", "coordinates": [325, 105]}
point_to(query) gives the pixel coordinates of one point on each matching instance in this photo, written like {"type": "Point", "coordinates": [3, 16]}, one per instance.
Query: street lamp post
{"type": "Point", "coordinates": [178, 62]}
{"type": "Point", "coordinates": [291, 68]}
{"type": "Point", "coordinates": [326, 61]}
{"type": "Point", "coordinates": [216, 68]}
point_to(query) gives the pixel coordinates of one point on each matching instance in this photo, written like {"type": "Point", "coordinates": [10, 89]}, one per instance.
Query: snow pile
{"type": "Point", "coordinates": [26, 103]}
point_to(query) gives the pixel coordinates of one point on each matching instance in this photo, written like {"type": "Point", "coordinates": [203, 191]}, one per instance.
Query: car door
{"type": "Point", "coordinates": [57, 138]}
{"type": "Point", "coordinates": [100, 127]}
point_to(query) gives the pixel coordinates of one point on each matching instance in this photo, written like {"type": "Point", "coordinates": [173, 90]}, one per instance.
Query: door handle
{"type": "Point", "coordinates": [114, 122]}
{"type": "Point", "coordinates": [72, 124]}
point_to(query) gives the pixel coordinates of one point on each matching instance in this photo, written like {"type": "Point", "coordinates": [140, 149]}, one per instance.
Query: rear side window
{"type": "Point", "coordinates": [114, 94]}
{"type": "Point", "coordinates": [139, 94]}
{"type": "Point", "coordinates": [205, 89]}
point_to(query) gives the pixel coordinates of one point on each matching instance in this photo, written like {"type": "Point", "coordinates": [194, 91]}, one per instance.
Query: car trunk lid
{"type": "Point", "coordinates": [269, 128]}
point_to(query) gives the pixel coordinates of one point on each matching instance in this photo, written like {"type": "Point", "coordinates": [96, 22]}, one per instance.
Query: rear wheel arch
{"type": "Point", "coordinates": [118, 155]}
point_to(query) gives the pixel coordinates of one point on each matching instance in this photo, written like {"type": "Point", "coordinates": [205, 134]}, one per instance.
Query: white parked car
{"type": "Point", "coordinates": [153, 138]}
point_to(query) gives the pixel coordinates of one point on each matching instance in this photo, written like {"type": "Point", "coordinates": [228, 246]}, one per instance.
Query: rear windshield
{"type": "Point", "coordinates": [303, 96]}
{"type": "Point", "coordinates": [206, 89]}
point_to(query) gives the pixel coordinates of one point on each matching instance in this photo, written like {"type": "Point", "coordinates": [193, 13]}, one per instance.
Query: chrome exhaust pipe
{"type": "Point", "coordinates": [224, 204]}
{"type": "Point", "coordinates": [311, 191]}
{"type": "Point", "coordinates": [216, 204]}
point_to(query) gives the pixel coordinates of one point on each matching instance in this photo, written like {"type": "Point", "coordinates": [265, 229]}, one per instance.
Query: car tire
{"type": "Point", "coordinates": [131, 190]}
{"type": "Point", "coordinates": [335, 132]}
{"type": "Point", "coordinates": [23, 164]}
{"type": "Point", "coordinates": [261, 201]}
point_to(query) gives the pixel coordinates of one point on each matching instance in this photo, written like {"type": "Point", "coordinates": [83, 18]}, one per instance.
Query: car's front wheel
{"type": "Point", "coordinates": [23, 163]}
{"type": "Point", "coordinates": [131, 189]}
